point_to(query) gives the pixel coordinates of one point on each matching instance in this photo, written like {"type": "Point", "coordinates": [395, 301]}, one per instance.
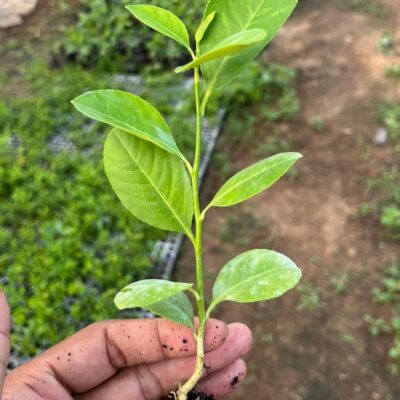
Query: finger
{"type": "Point", "coordinates": [238, 343]}
{"type": "Point", "coordinates": [4, 337]}
{"type": "Point", "coordinates": [152, 382]}
{"type": "Point", "coordinates": [225, 380]}
{"type": "Point", "coordinates": [93, 355]}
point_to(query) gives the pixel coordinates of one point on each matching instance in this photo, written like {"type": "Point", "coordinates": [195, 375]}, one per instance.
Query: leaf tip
{"type": "Point", "coordinates": [75, 102]}
{"type": "Point", "coordinates": [294, 156]}
{"type": "Point", "coordinates": [298, 156]}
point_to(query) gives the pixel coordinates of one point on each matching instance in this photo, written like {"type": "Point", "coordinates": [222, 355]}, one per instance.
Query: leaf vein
{"type": "Point", "coordinates": [157, 191]}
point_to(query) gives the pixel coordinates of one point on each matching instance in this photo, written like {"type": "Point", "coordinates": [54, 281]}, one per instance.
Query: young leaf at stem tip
{"type": "Point", "coordinates": [256, 275]}
{"type": "Point", "coordinates": [202, 29]}
{"type": "Point", "coordinates": [240, 15]}
{"type": "Point", "coordinates": [151, 183]}
{"type": "Point", "coordinates": [161, 297]}
{"type": "Point", "coordinates": [130, 113]}
{"type": "Point", "coordinates": [253, 180]}
{"type": "Point", "coordinates": [228, 47]}
{"type": "Point", "coordinates": [162, 21]}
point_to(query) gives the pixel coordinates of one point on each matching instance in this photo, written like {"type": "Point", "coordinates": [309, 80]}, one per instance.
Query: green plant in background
{"type": "Point", "coordinates": [157, 182]}
{"type": "Point", "coordinates": [386, 204]}
{"type": "Point", "coordinates": [318, 124]}
{"type": "Point", "coordinates": [389, 295]}
{"type": "Point", "coordinates": [376, 325]}
{"type": "Point", "coordinates": [390, 219]}
{"type": "Point", "coordinates": [310, 298]}
{"type": "Point", "coordinates": [270, 93]}
{"type": "Point", "coordinates": [105, 36]}
{"type": "Point", "coordinates": [62, 247]}
{"type": "Point", "coordinates": [389, 114]}
{"type": "Point", "coordinates": [393, 72]}
{"type": "Point", "coordinates": [340, 282]}
{"type": "Point", "coordinates": [386, 44]}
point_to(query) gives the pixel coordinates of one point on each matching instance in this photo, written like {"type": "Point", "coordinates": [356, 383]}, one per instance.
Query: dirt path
{"type": "Point", "coordinates": [325, 354]}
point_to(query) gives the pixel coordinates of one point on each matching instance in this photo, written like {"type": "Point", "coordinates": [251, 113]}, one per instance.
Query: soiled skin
{"type": "Point", "coordinates": [126, 360]}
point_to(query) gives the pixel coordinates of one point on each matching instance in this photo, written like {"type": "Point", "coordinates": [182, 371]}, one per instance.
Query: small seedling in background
{"type": "Point", "coordinates": [310, 298]}
{"type": "Point", "coordinates": [159, 185]}
{"type": "Point", "coordinates": [388, 295]}
{"type": "Point", "coordinates": [393, 72]}
{"type": "Point", "coordinates": [389, 115]}
{"type": "Point", "coordinates": [318, 124]}
{"type": "Point", "coordinates": [390, 219]}
{"type": "Point", "coordinates": [347, 338]}
{"type": "Point", "coordinates": [386, 44]}
{"type": "Point", "coordinates": [268, 338]}
{"type": "Point", "coordinates": [340, 282]}
{"type": "Point", "coordinates": [376, 325]}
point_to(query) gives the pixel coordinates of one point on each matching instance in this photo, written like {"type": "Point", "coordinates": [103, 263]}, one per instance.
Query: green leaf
{"type": "Point", "coordinates": [202, 29]}
{"type": "Point", "coordinates": [161, 297]}
{"type": "Point", "coordinates": [177, 309]}
{"type": "Point", "coordinates": [151, 183]}
{"type": "Point", "coordinates": [233, 17]}
{"type": "Point", "coordinates": [130, 113]}
{"type": "Point", "coordinates": [256, 275]}
{"type": "Point", "coordinates": [228, 47]}
{"type": "Point", "coordinates": [254, 179]}
{"type": "Point", "coordinates": [162, 21]}
{"type": "Point", "coordinates": [147, 292]}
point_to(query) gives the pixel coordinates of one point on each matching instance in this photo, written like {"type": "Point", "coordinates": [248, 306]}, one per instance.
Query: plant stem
{"type": "Point", "coordinates": [191, 383]}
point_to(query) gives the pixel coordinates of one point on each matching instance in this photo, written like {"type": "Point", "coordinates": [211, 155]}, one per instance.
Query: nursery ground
{"type": "Point", "coordinates": [314, 343]}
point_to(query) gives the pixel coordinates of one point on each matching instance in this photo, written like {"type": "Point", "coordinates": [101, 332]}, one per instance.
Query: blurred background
{"type": "Point", "coordinates": [328, 86]}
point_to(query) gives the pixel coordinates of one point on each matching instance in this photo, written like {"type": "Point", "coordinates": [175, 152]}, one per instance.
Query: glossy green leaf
{"type": "Point", "coordinates": [177, 309]}
{"type": "Point", "coordinates": [162, 21]}
{"type": "Point", "coordinates": [151, 183]}
{"type": "Point", "coordinates": [130, 113]}
{"type": "Point", "coordinates": [233, 17]}
{"type": "Point", "coordinates": [228, 47]}
{"type": "Point", "coordinates": [202, 29]}
{"type": "Point", "coordinates": [254, 179]}
{"type": "Point", "coordinates": [145, 293]}
{"type": "Point", "coordinates": [256, 275]}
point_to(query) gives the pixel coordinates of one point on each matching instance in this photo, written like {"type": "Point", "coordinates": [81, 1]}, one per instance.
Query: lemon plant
{"type": "Point", "coordinates": [158, 184]}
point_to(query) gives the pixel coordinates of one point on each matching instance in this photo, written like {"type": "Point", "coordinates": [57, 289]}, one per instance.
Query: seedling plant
{"type": "Point", "coordinates": [159, 185]}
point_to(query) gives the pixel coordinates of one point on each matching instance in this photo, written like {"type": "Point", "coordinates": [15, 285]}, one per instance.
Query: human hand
{"type": "Point", "coordinates": [137, 359]}
{"type": "Point", "coordinates": [4, 337]}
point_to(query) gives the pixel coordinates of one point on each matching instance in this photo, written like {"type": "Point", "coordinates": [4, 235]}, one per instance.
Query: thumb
{"type": "Point", "coordinates": [4, 338]}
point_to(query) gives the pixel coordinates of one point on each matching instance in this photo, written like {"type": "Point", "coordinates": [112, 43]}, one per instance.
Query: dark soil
{"type": "Point", "coordinates": [195, 395]}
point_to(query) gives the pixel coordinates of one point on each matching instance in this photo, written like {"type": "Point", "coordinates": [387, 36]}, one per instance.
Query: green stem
{"type": "Point", "coordinates": [191, 383]}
